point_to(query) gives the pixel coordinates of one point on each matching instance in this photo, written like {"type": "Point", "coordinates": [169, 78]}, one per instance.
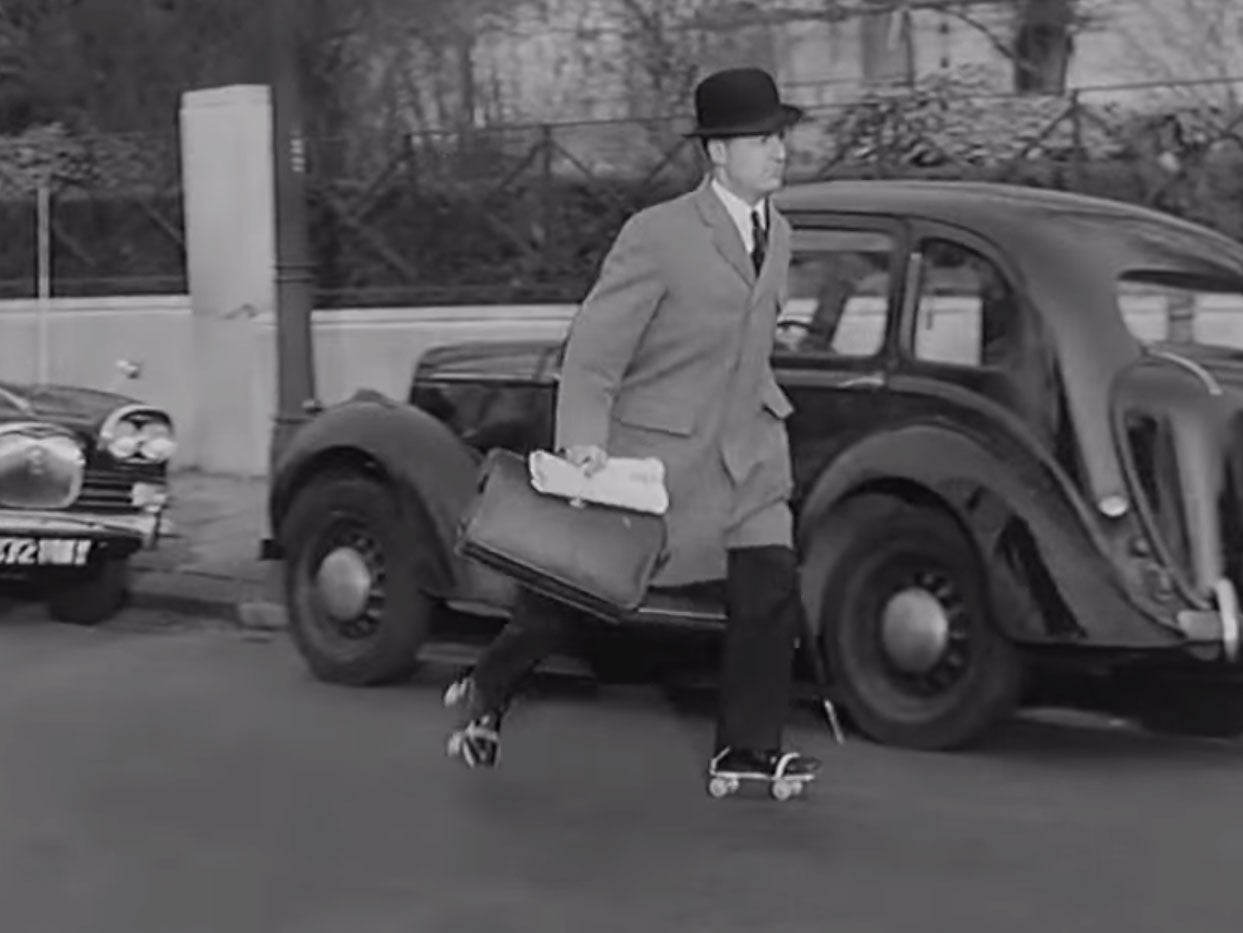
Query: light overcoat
{"type": "Point", "coordinates": [669, 357]}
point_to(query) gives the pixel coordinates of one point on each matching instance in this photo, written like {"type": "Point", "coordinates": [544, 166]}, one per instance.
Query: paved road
{"type": "Point", "coordinates": [178, 780]}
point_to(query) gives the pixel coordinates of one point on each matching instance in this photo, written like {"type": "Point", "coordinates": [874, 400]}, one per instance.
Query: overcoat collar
{"type": "Point", "coordinates": [725, 234]}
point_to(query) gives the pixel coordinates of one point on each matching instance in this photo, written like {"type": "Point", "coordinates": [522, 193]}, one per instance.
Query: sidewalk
{"type": "Point", "coordinates": [212, 566]}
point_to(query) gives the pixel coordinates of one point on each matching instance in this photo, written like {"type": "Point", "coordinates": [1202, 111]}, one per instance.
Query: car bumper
{"type": "Point", "coordinates": [1219, 625]}
{"type": "Point", "coordinates": [144, 528]}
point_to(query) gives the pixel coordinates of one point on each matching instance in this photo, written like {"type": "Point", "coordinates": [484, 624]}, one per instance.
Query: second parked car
{"type": "Point", "coordinates": [1017, 450]}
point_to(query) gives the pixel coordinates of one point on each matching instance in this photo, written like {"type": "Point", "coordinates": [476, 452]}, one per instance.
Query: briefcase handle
{"type": "Point", "coordinates": [485, 469]}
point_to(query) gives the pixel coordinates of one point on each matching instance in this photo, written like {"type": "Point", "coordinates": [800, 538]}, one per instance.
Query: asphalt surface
{"type": "Point", "coordinates": [169, 779]}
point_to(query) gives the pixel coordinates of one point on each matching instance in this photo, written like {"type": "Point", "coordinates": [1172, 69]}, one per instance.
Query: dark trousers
{"type": "Point", "coordinates": [764, 613]}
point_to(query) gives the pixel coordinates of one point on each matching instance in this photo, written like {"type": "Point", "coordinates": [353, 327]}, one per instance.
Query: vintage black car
{"type": "Point", "coordinates": [83, 485]}
{"type": "Point", "coordinates": [1018, 447]}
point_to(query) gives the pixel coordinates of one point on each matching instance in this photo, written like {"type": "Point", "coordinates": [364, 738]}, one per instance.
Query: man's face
{"type": "Point", "coordinates": [753, 166]}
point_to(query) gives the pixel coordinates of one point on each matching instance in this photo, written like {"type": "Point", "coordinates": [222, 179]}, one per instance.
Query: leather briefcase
{"type": "Point", "coordinates": [598, 558]}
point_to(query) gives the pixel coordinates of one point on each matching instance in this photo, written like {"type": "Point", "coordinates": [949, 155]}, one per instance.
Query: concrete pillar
{"type": "Point", "coordinates": [229, 193]}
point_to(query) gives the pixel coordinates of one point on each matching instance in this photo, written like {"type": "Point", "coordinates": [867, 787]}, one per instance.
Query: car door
{"type": "Point", "coordinates": [837, 331]}
{"type": "Point", "coordinates": [969, 337]}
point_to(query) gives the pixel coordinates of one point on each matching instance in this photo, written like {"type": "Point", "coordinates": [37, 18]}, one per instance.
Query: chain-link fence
{"type": "Point", "coordinates": [515, 214]}
{"type": "Point", "coordinates": [525, 213]}
{"type": "Point", "coordinates": [97, 215]}
{"type": "Point", "coordinates": [520, 214]}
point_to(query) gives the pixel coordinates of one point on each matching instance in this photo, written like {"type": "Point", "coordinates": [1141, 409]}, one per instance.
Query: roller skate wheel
{"type": "Point", "coordinates": [784, 790]}
{"type": "Point", "coordinates": [720, 787]}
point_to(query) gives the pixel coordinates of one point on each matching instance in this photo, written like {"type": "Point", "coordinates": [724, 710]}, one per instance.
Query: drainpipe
{"type": "Point", "coordinates": [294, 267]}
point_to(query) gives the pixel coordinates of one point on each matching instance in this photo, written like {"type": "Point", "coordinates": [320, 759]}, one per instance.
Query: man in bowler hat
{"type": "Point", "coordinates": [668, 357]}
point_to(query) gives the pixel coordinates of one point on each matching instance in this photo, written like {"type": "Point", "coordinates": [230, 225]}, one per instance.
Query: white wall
{"type": "Point", "coordinates": [86, 338]}
{"type": "Point", "coordinates": [372, 348]}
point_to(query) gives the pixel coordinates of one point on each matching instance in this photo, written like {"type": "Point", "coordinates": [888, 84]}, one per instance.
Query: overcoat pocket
{"type": "Point", "coordinates": [775, 401]}
{"type": "Point", "coordinates": [656, 413]}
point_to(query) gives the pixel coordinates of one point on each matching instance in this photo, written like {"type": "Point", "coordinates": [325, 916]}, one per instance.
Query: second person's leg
{"type": "Point", "coordinates": [537, 628]}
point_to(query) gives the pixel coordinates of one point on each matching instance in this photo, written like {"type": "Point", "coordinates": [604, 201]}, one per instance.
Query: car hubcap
{"type": "Point", "coordinates": [915, 630]}
{"type": "Point", "coordinates": [345, 583]}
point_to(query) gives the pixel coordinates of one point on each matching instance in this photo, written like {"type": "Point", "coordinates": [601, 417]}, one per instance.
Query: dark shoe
{"type": "Point", "coordinates": [478, 743]}
{"type": "Point", "coordinates": [786, 774]}
{"type": "Point", "coordinates": [476, 740]}
{"type": "Point", "coordinates": [462, 697]}
{"type": "Point", "coordinates": [768, 766]}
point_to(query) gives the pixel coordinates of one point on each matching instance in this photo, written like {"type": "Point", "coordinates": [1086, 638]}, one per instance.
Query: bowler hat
{"type": "Point", "coordinates": [740, 102]}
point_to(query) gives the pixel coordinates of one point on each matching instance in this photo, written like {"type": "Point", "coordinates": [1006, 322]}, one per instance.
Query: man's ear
{"type": "Point", "coordinates": [714, 149]}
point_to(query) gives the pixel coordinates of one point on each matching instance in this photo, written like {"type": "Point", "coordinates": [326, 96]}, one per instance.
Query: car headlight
{"type": "Point", "coordinates": [137, 433]}
{"type": "Point", "coordinates": [155, 441]}
{"type": "Point", "coordinates": [123, 443]}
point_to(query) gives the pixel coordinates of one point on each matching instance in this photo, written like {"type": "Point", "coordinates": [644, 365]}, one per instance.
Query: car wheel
{"type": "Point", "coordinates": [907, 630]}
{"type": "Point", "coordinates": [94, 596]}
{"type": "Point", "coordinates": [356, 614]}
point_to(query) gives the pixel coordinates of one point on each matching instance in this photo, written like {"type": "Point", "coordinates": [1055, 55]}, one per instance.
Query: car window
{"type": "Point", "coordinates": [1182, 308]}
{"type": "Point", "coordinates": [839, 289]}
{"type": "Point", "coordinates": [967, 313]}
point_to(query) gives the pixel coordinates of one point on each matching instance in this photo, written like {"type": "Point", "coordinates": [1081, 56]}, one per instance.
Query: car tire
{"type": "Point", "coordinates": [907, 628]}
{"type": "Point", "coordinates": [94, 596]}
{"type": "Point", "coordinates": [359, 520]}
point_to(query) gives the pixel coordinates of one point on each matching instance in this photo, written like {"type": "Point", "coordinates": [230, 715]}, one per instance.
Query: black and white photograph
{"type": "Point", "coordinates": [621, 465]}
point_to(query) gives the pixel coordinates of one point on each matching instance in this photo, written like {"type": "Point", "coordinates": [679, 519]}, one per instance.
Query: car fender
{"type": "Point", "coordinates": [1056, 578]}
{"type": "Point", "coordinates": [434, 472]}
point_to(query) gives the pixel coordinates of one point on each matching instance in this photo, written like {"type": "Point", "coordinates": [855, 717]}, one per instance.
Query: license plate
{"type": "Point", "coordinates": [44, 552]}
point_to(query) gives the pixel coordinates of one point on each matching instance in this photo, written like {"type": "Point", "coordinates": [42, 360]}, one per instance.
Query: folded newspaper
{"type": "Point", "coordinates": [637, 484]}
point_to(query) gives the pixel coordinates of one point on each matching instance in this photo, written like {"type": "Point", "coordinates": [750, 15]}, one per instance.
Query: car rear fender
{"type": "Point", "coordinates": [433, 472]}
{"type": "Point", "coordinates": [1049, 574]}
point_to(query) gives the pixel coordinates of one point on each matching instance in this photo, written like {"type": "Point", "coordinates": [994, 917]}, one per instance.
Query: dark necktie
{"type": "Point", "coordinates": [760, 241]}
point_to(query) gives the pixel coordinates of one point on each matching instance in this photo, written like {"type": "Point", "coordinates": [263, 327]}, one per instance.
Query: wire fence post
{"type": "Point", "coordinates": [547, 218]}
{"type": "Point", "coordinates": [43, 209]}
{"type": "Point", "coordinates": [1077, 153]}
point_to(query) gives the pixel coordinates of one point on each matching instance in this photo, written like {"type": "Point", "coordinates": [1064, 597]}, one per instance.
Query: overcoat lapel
{"type": "Point", "coordinates": [724, 233]}
{"type": "Point", "coordinates": [777, 243]}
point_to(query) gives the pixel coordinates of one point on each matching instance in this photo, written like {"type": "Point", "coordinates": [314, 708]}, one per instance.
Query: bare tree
{"type": "Point", "coordinates": [124, 64]}
{"type": "Point", "coordinates": [423, 53]}
{"type": "Point", "coordinates": [662, 54]}
{"type": "Point", "coordinates": [33, 89]}
{"type": "Point", "coordinates": [1036, 37]}
{"type": "Point", "coordinates": [1178, 40]}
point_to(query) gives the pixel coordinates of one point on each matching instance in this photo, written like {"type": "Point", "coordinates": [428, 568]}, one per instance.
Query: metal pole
{"type": "Point", "coordinates": [43, 210]}
{"type": "Point", "coordinates": [294, 268]}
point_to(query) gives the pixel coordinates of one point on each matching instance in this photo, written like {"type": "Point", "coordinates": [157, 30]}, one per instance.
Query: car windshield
{"type": "Point", "coordinates": [1182, 307]}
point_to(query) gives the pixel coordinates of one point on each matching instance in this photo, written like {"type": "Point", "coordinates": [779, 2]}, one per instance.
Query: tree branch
{"type": "Point", "coordinates": [968, 20]}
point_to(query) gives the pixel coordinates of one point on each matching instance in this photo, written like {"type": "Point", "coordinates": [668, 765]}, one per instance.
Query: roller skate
{"type": "Point", "coordinates": [477, 738]}
{"type": "Point", "coordinates": [785, 773]}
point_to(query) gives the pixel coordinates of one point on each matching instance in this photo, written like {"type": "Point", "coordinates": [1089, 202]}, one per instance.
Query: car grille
{"type": "Point", "coordinates": [111, 491]}
{"type": "Point", "coordinates": [40, 468]}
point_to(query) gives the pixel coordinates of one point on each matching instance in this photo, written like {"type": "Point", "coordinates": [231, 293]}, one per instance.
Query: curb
{"type": "Point", "coordinates": [242, 603]}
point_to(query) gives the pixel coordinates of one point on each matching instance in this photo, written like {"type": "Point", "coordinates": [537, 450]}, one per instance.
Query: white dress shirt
{"type": "Point", "coordinates": [740, 213]}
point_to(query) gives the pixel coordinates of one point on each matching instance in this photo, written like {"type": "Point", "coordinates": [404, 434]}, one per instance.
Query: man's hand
{"type": "Point", "coordinates": [588, 457]}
